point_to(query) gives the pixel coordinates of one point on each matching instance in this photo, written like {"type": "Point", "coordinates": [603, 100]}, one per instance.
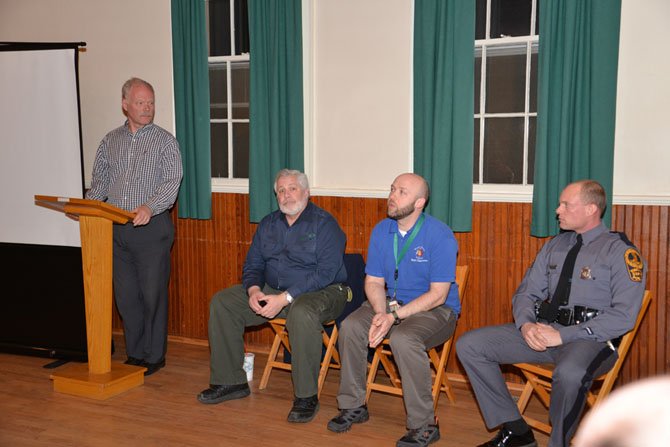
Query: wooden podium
{"type": "Point", "coordinates": [100, 379]}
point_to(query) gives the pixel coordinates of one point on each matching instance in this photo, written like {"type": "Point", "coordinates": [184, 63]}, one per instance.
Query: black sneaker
{"type": "Point", "coordinates": [506, 438]}
{"type": "Point", "coordinates": [347, 418]}
{"type": "Point", "coordinates": [304, 409]}
{"type": "Point", "coordinates": [425, 435]}
{"type": "Point", "coordinates": [216, 394]}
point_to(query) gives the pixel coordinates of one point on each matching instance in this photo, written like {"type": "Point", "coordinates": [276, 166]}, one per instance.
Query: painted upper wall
{"type": "Point", "coordinates": [641, 155]}
{"type": "Point", "coordinates": [359, 83]}
{"type": "Point", "coordinates": [124, 38]}
{"type": "Point", "coordinates": [362, 77]}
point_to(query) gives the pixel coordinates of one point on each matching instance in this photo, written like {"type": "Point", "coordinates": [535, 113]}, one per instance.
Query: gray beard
{"type": "Point", "coordinates": [299, 207]}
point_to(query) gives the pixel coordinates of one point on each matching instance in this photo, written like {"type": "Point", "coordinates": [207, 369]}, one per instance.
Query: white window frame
{"type": "Point", "coordinates": [497, 192]}
{"type": "Point", "coordinates": [229, 184]}
{"type": "Point", "coordinates": [481, 192]}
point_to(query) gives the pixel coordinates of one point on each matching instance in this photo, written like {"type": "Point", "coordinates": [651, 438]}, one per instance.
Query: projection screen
{"type": "Point", "coordinates": [40, 146]}
{"type": "Point", "coordinates": [41, 293]}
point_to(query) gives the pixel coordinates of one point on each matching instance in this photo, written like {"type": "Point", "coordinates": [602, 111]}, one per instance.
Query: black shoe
{"type": "Point", "coordinates": [304, 409]}
{"type": "Point", "coordinates": [422, 436]}
{"type": "Point", "coordinates": [216, 394]}
{"type": "Point", "coordinates": [347, 418]}
{"type": "Point", "coordinates": [133, 361]}
{"type": "Point", "coordinates": [152, 367]}
{"type": "Point", "coordinates": [506, 438]}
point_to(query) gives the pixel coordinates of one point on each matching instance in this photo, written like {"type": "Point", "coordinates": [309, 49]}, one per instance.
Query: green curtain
{"type": "Point", "coordinates": [577, 75]}
{"type": "Point", "coordinates": [444, 41]}
{"type": "Point", "coordinates": [276, 108]}
{"type": "Point", "coordinates": [191, 103]}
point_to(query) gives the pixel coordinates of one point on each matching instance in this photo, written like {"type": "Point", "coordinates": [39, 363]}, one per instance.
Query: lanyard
{"type": "Point", "coordinates": [403, 250]}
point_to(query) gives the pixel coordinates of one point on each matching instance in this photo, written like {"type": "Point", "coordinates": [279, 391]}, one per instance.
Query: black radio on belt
{"type": "Point", "coordinates": [566, 316]}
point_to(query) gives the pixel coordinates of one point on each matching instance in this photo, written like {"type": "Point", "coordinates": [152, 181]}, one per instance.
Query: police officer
{"type": "Point", "coordinates": [574, 324]}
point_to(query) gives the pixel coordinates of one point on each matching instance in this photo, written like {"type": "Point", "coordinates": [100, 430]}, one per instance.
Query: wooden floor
{"type": "Point", "coordinates": [165, 412]}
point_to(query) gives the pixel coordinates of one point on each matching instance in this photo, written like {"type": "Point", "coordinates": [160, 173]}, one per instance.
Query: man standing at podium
{"type": "Point", "coordinates": [138, 168]}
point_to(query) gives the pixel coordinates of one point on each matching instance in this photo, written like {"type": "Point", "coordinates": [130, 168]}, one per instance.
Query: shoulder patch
{"type": "Point", "coordinates": [634, 264]}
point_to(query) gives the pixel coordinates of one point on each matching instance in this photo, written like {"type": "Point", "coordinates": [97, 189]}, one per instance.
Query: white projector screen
{"type": "Point", "coordinates": [40, 145]}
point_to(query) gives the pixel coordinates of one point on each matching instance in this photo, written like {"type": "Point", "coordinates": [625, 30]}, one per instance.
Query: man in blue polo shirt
{"type": "Point", "coordinates": [294, 269]}
{"type": "Point", "coordinates": [412, 299]}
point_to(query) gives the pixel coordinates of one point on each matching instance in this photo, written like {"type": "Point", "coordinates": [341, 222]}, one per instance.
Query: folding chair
{"type": "Point", "coordinates": [538, 376]}
{"type": "Point", "coordinates": [331, 359]}
{"type": "Point", "coordinates": [438, 358]}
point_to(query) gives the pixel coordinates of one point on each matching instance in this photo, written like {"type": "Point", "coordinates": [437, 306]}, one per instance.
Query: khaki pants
{"type": "Point", "coordinates": [409, 342]}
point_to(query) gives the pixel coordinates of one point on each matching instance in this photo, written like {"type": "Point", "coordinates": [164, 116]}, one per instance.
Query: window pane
{"type": "Point", "coordinates": [219, 135]}
{"type": "Point", "coordinates": [503, 150]}
{"type": "Point", "coordinates": [218, 91]}
{"type": "Point", "coordinates": [240, 89]}
{"type": "Point", "coordinates": [475, 168]}
{"type": "Point", "coordinates": [219, 27]}
{"type": "Point", "coordinates": [241, 150]}
{"type": "Point", "coordinates": [480, 20]}
{"type": "Point", "coordinates": [533, 79]}
{"type": "Point", "coordinates": [510, 18]}
{"type": "Point", "coordinates": [241, 27]}
{"type": "Point", "coordinates": [220, 38]}
{"type": "Point", "coordinates": [531, 149]}
{"type": "Point", "coordinates": [505, 80]}
{"type": "Point", "coordinates": [478, 77]}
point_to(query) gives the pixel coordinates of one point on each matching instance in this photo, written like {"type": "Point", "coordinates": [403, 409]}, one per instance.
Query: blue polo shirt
{"type": "Point", "coordinates": [430, 258]}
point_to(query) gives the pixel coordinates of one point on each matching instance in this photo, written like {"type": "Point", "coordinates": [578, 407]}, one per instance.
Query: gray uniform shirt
{"type": "Point", "coordinates": [609, 275]}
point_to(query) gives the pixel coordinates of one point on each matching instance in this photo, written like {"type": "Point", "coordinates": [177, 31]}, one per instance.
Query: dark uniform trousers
{"type": "Point", "coordinates": [229, 314]}
{"type": "Point", "coordinates": [483, 350]}
{"type": "Point", "coordinates": [141, 277]}
{"type": "Point", "coordinates": [409, 342]}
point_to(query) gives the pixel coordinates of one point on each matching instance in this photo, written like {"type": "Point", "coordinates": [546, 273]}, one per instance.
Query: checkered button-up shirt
{"type": "Point", "coordinates": [131, 170]}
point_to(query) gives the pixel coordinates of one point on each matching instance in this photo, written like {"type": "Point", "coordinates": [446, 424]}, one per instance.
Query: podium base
{"type": "Point", "coordinates": [76, 380]}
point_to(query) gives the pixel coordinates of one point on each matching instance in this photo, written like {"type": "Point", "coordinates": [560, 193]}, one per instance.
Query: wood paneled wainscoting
{"type": "Point", "coordinates": [208, 255]}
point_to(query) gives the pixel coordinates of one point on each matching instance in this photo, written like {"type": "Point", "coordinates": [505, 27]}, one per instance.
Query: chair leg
{"type": "Point", "coordinates": [271, 359]}
{"type": "Point", "coordinates": [389, 367]}
{"type": "Point", "coordinates": [374, 366]}
{"type": "Point", "coordinates": [533, 384]}
{"type": "Point", "coordinates": [440, 381]}
{"type": "Point", "coordinates": [325, 364]}
{"type": "Point", "coordinates": [522, 403]}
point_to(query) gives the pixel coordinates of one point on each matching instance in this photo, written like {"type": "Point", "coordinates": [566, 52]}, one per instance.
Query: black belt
{"type": "Point", "coordinates": [568, 316]}
{"type": "Point", "coordinates": [576, 315]}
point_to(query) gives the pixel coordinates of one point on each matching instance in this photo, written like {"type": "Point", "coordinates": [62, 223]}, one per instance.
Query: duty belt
{"type": "Point", "coordinates": [566, 316]}
{"type": "Point", "coordinates": [569, 316]}
{"type": "Point", "coordinates": [578, 314]}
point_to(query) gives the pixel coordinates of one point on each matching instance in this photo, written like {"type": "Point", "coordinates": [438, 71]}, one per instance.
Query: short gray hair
{"type": "Point", "coordinates": [132, 82]}
{"type": "Point", "coordinates": [300, 177]}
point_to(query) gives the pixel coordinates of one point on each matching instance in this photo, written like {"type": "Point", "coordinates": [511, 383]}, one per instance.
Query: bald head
{"type": "Point", "coordinates": [407, 199]}
{"type": "Point", "coordinates": [416, 183]}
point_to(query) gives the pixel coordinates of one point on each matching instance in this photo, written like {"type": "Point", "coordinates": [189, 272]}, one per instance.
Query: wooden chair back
{"type": "Point", "coordinates": [538, 376]}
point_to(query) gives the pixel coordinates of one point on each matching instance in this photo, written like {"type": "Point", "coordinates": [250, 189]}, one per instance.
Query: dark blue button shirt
{"type": "Point", "coordinates": [304, 257]}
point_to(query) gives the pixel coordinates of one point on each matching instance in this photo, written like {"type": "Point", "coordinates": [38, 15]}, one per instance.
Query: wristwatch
{"type": "Point", "coordinates": [289, 298]}
{"type": "Point", "coordinates": [396, 318]}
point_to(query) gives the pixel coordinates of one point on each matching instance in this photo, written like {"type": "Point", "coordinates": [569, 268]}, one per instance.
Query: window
{"type": "Point", "coordinates": [229, 89]}
{"type": "Point", "coordinates": [505, 91]}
